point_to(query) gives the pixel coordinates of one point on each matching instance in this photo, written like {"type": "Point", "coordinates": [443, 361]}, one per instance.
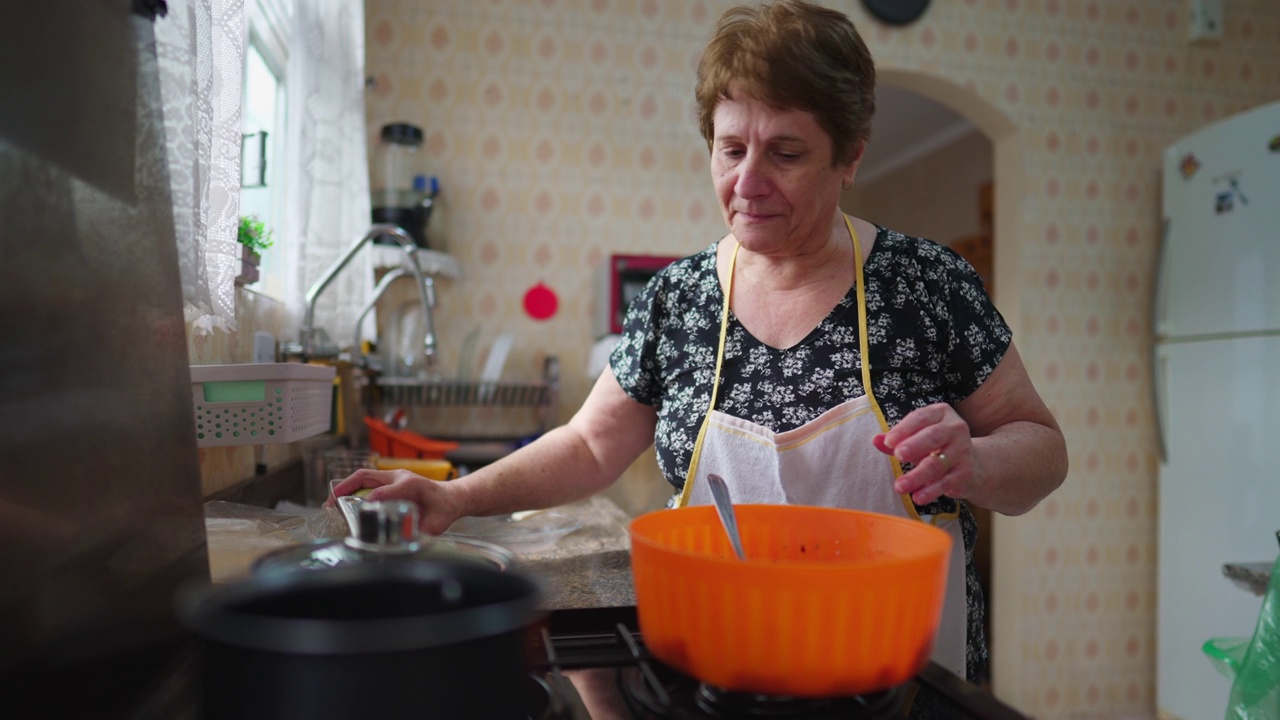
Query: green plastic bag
{"type": "Point", "coordinates": [1253, 664]}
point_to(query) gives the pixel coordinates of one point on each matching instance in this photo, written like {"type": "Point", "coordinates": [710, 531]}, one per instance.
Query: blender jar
{"type": "Point", "coordinates": [394, 198]}
{"type": "Point", "coordinates": [393, 172]}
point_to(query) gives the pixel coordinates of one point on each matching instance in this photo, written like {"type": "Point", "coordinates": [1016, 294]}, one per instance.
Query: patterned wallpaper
{"type": "Point", "coordinates": [563, 131]}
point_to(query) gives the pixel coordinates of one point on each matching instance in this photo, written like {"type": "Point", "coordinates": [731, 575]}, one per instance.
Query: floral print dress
{"type": "Point", "coordinates": [934, 336]}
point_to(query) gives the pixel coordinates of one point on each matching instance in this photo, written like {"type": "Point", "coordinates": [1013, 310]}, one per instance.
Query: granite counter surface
{"type": "Point", "coordinates": [590, 567]}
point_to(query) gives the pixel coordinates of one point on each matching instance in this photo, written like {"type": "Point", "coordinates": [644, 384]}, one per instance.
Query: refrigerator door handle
{"type": "Point", "coordinates": [1157, 361]}
{"type": "Point", "coordinates": [1158, 297]}
{"type": "Point", "coordinates": [1159, 369]}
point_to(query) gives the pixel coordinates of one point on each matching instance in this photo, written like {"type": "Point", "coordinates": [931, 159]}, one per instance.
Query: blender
{"type": "Point", "coordinates": [399, 196]}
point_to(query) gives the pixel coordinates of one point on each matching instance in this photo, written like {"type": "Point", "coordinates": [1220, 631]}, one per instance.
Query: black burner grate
{"type": "Point", "coordinates": [651, 689]}
{"type": "Point", "coordinates": [656, 690]}
{"type": "Point", "coordinates": [603, 638]}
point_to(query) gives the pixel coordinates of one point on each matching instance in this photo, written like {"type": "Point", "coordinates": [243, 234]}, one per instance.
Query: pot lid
{"type": "Point", "coordinates": [386, 532]}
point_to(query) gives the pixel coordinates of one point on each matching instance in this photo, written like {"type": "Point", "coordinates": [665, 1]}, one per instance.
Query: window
{"type": "Point", "coordinates": [263, 115]}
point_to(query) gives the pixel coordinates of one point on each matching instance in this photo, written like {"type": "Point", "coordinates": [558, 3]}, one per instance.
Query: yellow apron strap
{"type": "Point", "coordinates": [864, 348]}
{"type": "Point", "coordinates": [907, 503]}
{"type": "Point", "coordinates": [715, 383]}
{"type": "Point", "coordinates": [863, 345]}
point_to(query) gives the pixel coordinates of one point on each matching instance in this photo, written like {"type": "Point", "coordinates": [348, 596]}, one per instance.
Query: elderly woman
{"type": "Point", "coordinates": [808, 357]}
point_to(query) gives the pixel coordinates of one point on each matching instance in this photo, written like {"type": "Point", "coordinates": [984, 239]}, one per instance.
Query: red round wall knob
{"type": "Point", "coordinates": [540, 302]}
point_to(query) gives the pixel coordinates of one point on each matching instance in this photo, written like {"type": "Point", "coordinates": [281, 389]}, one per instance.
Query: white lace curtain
{"type": "Point", "coordinates": [200, 46]}
{"type": "Point", "coordinates": [200, 50]}
{"type": "Point", "coordinates": [327, 194]}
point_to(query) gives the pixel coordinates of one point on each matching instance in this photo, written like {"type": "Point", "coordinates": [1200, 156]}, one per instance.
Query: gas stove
{"type": "Point", "coordinates": [605, 643]}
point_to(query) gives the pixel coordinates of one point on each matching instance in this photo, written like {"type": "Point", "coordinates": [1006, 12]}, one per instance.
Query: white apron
{"type": "Point", "coordinates": [829, 461]}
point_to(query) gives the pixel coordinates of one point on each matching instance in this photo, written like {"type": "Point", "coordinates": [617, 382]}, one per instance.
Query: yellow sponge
{"type": "Point", "coordinates": [433, 469]}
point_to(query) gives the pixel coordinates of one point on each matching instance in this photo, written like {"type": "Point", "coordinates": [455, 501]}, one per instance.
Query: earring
{"type": "Point", "coordinates": [847, 184]}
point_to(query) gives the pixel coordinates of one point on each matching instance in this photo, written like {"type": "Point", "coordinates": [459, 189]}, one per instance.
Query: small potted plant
{"type": "Point", "coordinates": [254, 238]}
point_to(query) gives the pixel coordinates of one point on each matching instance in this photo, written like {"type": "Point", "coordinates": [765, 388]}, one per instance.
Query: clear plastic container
{"type": "Point", "coordinates": [532, 534]}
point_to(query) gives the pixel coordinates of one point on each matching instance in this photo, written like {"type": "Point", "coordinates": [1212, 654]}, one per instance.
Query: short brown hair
{"type": "Point", "coordinates": [792, 54]}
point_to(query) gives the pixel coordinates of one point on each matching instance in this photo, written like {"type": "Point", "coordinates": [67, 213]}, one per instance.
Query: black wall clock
{"type": "Point", "coordinates": [897, 12]}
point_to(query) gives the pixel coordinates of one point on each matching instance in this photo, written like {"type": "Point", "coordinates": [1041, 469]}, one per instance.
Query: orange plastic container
{"type": "Point", "coordinates": [828, 602]}
{"type": "Point", "coordinates": [388, 442]}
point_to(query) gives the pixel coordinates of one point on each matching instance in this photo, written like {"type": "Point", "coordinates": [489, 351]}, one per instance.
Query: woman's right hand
{"type": "Point", "coordinates": [437, 502]}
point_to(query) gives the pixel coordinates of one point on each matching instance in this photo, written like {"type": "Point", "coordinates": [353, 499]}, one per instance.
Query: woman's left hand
{"type": "Point", "coordinates": [935, 440]}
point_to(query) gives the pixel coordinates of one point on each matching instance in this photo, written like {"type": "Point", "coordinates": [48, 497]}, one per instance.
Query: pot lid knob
{"type": "Point", "coordinates": [387, 526]}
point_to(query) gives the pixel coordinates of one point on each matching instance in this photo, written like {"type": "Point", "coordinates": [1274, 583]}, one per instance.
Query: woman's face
{"type": "Point", "coordinates": [774, 177]}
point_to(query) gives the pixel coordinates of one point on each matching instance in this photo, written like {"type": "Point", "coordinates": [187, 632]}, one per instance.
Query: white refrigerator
{"type": "Point", "coordinates": [1217, 388]}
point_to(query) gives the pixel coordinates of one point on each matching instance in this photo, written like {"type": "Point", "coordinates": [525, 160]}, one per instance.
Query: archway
{"type": "Point", "coordinates": [1005, 140]}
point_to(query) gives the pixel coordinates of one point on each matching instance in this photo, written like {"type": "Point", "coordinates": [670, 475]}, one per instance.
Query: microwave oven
{"type": "Point", "coordinates": [619, 281]}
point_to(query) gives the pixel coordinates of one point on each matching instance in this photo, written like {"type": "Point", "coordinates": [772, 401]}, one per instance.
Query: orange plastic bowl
{"type": "Point", "coordinates": [828, 602]}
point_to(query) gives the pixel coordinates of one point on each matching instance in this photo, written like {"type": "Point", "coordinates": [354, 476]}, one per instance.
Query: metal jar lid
{"type": "Point", "coordinates": [387, 527]}
{"type": "Point", "coordinates": [402, 134]}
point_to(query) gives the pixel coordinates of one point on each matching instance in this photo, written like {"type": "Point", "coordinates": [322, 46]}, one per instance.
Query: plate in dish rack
{"type": "Point", "coordinates": [529, 534]}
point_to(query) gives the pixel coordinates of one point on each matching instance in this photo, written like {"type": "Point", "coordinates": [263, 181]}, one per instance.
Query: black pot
{"type": "Point", "coordinates": [409, 640]}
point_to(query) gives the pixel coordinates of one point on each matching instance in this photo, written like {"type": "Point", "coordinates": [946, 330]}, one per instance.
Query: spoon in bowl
{"type": "Point", "coordinates": [724, 506]}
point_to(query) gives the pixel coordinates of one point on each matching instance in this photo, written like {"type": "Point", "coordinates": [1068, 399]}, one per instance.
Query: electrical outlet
{"type": "Point", "coordinates": [264, 347]}
{"type": "Point", "coordinates": [1205, 21]}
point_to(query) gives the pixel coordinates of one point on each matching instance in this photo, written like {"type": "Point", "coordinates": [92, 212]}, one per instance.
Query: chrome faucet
{"type": "Point", "coordinates": [378, 290]}
{"type": "Point", "coordinates": [426, 290]}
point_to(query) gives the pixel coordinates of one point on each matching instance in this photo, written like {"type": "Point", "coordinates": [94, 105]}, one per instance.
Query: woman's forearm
{"type": "Point", "coordinates": [1016, 466]}
{"type": "Point", "coordinates": [569, 463]}
{"type": "Point", "coordinates": [556, 469]}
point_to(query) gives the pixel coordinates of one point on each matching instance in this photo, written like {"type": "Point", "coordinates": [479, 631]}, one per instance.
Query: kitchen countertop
{"type": "Point", "coordinates": [588, 568]}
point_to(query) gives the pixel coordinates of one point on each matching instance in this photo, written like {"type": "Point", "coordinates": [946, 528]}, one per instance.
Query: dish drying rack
{"type": "Point", "coordinates": [451, 393]}
{"type": "Point", "coordinates": [468, 410]}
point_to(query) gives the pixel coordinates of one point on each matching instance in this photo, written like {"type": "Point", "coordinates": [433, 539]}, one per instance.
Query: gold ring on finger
{"type": "Point", "coordinates": [946, 465]}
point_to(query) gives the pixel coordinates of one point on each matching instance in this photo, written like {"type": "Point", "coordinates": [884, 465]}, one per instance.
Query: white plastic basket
{"type": "Point", "coordinates": [260, 403]}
